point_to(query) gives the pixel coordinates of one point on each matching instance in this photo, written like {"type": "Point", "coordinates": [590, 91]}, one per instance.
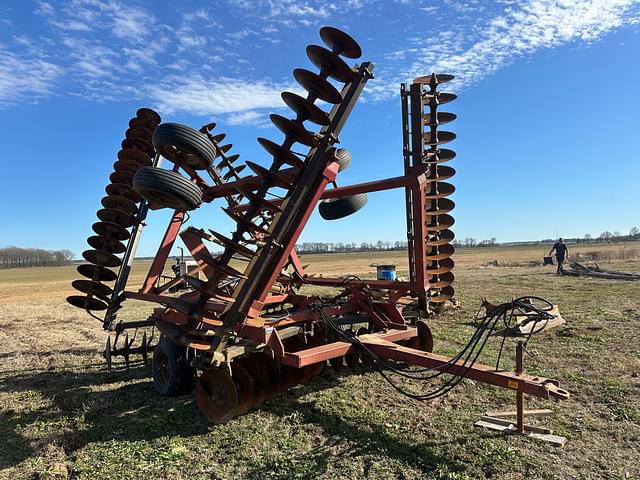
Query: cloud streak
{"type": "Point", "coordinates": [197, 62]}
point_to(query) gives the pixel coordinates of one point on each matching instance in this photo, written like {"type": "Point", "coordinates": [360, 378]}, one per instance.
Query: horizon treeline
{"type": "Point", "coordinates": [14, 257]}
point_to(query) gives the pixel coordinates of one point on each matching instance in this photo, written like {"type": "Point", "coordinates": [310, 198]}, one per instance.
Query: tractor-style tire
{"type": "Point", "coordinates": [335, 208]}
{"type": "Point", "coordinates": [344, 158]}
{"type": "Point", "coordinates": [167, 189]}
{"type": "Point", "coordinates": [172, 374]}
{"type": "Point", "coordinates": [196, 149]}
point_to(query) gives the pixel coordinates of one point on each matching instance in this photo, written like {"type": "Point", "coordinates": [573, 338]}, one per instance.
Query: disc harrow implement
{"type": "Point", "coordinates": [233, 322]}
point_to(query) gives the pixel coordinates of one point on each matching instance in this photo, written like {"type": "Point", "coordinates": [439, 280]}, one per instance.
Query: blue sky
{"type": "Point", "coordinates": [547, 123]}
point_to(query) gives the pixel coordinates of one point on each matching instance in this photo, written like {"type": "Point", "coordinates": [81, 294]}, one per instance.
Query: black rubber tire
{"type": "Point", "coordinates": [344, 158]}
{"type": "Point", "coordinates": [167, 188]}
{"type": "Point", "coordinates": [168, 137]}
{"type": "Point", "coordinates": [172, 374]}
{"type": "Point", "coordinates": [336, 208]}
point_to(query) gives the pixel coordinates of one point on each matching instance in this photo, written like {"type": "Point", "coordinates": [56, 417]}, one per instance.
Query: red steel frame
{"type": "Point", "coordinates": [384, 314]}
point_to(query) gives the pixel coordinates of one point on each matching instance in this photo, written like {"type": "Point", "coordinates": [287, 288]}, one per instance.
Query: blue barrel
{"type": "Point", "coordinates": [386, 272]}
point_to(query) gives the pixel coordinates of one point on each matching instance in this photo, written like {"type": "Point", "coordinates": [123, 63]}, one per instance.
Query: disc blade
{"type": "Point", "coordinates": [100, 257]}
{"type": "Point", "coordinates": [119, 203]}
{"type": "Point", "coordinates": [305, 109]}
{"type": "Point", "coordinates": [113, 215]}
{"type": "Point", "coordinates": [280, 153]}
{"type": "Point", "coordinates": [86, 303]}
{"type": "Point", "coordinates": [340, 42]}
{"type": "Point", "coordinates": [294, 130]}
{"type": "Point", "coordinates": [113, 230]}
{"type": "Point", "coordinates": [216, 395]}
{"type": "Point", "coordinates": [111, 245]}
{"type": "Point", "coordinates": [91, 287]}
{"type": "Point", "coordinates": [96, 272]}
{"type": "Point", "coordinates": [330, 63]}
{"type": "Point", "coordinates": [317, 86]}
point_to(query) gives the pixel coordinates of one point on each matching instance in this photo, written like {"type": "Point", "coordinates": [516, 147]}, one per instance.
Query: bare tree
{"type": "Point", "coordinates": [634, 233]}
{"type": "Point", "coordinates": [470, 242]}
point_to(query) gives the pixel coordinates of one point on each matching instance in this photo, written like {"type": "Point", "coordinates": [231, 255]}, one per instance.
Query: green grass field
{"type": "Point", "coordinates": [63, 415]}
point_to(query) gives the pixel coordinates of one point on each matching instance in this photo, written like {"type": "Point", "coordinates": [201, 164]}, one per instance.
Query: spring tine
{"type": "Point", "coordinates": [107, 353]}
{"type": "Point", "coordinates": [126, 349]}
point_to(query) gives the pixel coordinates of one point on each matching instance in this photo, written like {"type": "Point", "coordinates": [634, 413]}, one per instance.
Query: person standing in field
{"type": "Point", "coordinates": [561, 252]}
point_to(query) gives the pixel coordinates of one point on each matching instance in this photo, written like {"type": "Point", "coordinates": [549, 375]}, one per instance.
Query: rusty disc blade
{"type": "Point", "coordinates": [230, 159]}
{"type": "Point", "coordinates": [439, 190]}
{"type": "Point", "coordinates": [274, 372]}
{"type": "Point", "coordinates": [440, 138]}
{"type": "Point", "coordinates": [87, 303]}
{"type": "Point", "coordinates": [216, 395]}
{"type": "Point", "coordinates": [116, 216]}
{"type": "Point", "coordinates": [136, 122]}
{"type": "Point", "coordinates": [434, 79]}
{"type": "Point", "coordinates": [340, 42]}
{"type": "Point", "coordinates": [439, 206]}
{"type": "Point", "coordinates": [91, 287]}
{"type": "Point", "coordinates": [441, 281]}
{"type": "Point", "coordinates": [219, 137]}
{"type": "Point", "coordinates": [110, 244]}
{"type": "Point", "coordinates": [440, 252]}
{"type": "Point", "coordinates": [441, 98]}
{"type": "Point", "coordinates": [233, 172]}
{"type": "Point", "coordinates": [440, 155]}
{"type": "Point", "coordinates": [330, 63]}
{"type": "Point", "coordinates": [244, 386]}
{"type": "Point", "coordinates": [139, 144]}
{"type": "Point", "coordinates": [317, 86]}
{"type": "Point", "coordinates": [294, 130]}
{"type": "Point", "coordinates": [440, 118]}
{"type": "Point", "coordinates": [442, 172]}
{"type": "Point", "coordinates": [441, 267]}
{"type": "Point", "coordinates": [119, 203]}
{"type": "Point", "coordinates": [101, 257]}
{"type": "Point", "coordinates": [109, 229]}
{"type": "Point", "coordinates": [149, 115]}
{"type": "Point", "coordinates": [96, 272]}
{"type": "Point", "coordinates": [440, 238]}
{"type": "Point", "coordinates": [305, 109]}
{"type": "Point", "coordinates": [280, 153]}
{"type": "Point", "coordinates": [123, 190]}
{"type": "Point", "coordinates": [274, 178]}
{"type": "Point", "coordinates": [139, 132]}
{"type": "Point", "coordinates": [439, 222]}
{"type": "Point", "coordinates": [441, 296]}
{"type": "Point", "coordinates": [121, 177]}
{"type": "Point", "coordinates": [135, 156]}
{"type": "Point", "coordinates": [223, 149]}
{"type": "Point", "coordinates": [126, 166]}
{"type": "Point", "coordinates": [259, 376]}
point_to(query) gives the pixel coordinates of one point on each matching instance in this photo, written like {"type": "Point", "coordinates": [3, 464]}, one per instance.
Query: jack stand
{"type": "Point", "coordinates": [496, 420]}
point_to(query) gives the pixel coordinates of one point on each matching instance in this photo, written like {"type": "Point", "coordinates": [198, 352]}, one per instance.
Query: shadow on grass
{"type": "Point", "coordinates": [76, 408]}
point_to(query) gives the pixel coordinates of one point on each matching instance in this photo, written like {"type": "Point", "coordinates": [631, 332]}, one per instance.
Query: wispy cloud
{"type": "Point", "coordinates": [520, 30]}
{"type": "Point", "coordinates": [25, 79]}
{"type": "Point", "coordinates": [215, 96]}
{"type": "Point", "coordinates": [199, 62]}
